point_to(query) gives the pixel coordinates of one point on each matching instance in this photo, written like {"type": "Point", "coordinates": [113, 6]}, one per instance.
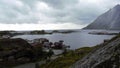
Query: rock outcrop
{"type": "Point", "coordinates": [107, 55]}
{"type": "Point", "coordinates": [11, 43]}
{"type": "Point", "coordinates": [14, 52]}
{"type": "Point", "coordinates": [109, 20]}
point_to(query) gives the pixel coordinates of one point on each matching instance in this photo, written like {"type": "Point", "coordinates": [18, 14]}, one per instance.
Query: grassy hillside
{"type": "Point", "coordinates": [65, 61]}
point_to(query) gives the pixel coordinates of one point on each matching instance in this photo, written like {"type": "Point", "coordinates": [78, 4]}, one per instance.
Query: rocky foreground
{"type": "Point", "coordinates": [107, 55]}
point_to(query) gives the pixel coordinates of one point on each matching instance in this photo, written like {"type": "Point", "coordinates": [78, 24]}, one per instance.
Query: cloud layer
{"type": "Point", "coordinates": [52, 11]}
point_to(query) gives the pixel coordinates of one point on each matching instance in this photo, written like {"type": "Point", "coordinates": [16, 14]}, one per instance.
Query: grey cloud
{"type": "Point", "coordinates": [71, 12]}
{"type": "Point", "coordinates": [60, 4]}
{"type": "Point", "coordinates": [14, 14]}
{"type": "Point", "coordinates": [60, 11]}
{"type": "Point", "coordinates": [74, 14]}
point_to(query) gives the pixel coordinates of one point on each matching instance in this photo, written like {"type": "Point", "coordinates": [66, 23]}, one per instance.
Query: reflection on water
{"type": "Point", "coordinates": [75, 40]}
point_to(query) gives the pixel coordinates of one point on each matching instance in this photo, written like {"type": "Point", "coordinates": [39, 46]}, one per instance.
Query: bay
{"type": "Point", "coordinates": [75, 40]}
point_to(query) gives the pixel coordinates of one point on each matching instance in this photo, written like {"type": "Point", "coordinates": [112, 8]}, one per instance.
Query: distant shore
{"type": "Point", "coordinates": [103, 33]}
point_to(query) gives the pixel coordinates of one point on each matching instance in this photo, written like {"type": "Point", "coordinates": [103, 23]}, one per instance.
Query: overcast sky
{"type": "Point", "coordinates": [51, 14]}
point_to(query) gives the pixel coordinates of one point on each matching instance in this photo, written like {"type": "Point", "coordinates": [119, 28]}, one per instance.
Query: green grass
{"type": "Point", "coordinates": [70, 58]}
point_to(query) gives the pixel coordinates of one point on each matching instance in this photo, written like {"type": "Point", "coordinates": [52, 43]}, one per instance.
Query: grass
{"type": "Point", "coordinates": [70, 58]}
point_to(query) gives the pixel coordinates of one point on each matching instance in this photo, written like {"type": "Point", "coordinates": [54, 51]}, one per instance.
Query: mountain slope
{"type": "Point", "coordinates": [107, 55]}
{"type": "Point", "coordinates": [108, 20]}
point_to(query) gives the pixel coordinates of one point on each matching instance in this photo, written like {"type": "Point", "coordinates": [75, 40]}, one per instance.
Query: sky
{"type": "Point", "coordinates": [51, 14]}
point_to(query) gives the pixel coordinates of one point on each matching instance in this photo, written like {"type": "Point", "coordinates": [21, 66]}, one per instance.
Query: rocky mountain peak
{"type": "Point", "coordinates": [109, 20]}
{"type": "Point", "coordinates": [117, 7]}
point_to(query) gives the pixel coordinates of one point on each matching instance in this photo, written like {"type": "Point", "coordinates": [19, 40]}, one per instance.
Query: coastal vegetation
{"type": "Point", "coordinates": [39, 32]}
{"type": "Point", "coordinates": [67, 59]}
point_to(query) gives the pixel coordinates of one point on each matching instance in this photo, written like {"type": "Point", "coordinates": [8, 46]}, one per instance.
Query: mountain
{"type": "Point", "coordinates": [109, 20]}
{"type": "Point", "coordinates": [107, 55]}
